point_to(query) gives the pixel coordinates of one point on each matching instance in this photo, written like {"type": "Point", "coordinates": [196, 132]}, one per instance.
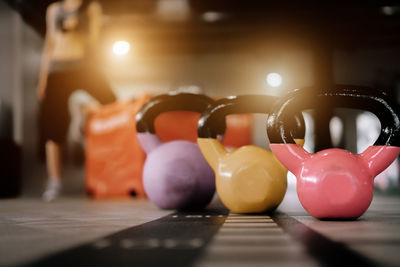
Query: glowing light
{"type": "Point", "coordinates": [212, 16]}
{"type": "Point", "coordinates": [274, 79]}
{"type": "Point", "coordinates": [390, 10]}
{"type": "Point", "coordinates": [121, 48]}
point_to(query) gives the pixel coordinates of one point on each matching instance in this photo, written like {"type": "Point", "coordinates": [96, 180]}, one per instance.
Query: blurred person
{"type": "Point", "coordinates": [68, 63]}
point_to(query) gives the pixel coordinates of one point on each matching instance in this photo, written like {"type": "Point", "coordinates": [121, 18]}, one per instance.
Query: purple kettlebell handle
{"type": "Point", "coordinates": [169, 102]}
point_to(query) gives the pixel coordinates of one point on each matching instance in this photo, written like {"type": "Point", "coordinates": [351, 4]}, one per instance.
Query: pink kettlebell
{"type": "Point", "coordinates": [335, 183]}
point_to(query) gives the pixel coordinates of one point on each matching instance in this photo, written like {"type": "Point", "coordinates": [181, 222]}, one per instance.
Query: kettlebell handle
{"type": "Point", "coordinates": [212, 120]}
{"type": "Point", "coordinates": [345, 96]}
{"type": "Point", "coordinates": [169, 102]}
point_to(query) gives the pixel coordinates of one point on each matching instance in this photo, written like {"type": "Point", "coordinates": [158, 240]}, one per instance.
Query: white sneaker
{"type": "Point", "coordinates": [52, 190]}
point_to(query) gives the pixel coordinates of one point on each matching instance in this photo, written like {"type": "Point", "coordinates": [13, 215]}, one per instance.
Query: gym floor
{"type": "Point", "coordinates": [125, 232]}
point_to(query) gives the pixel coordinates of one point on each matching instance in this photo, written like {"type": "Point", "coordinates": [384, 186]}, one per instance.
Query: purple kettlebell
{"type": "Point", "coordinates": [175, 174]}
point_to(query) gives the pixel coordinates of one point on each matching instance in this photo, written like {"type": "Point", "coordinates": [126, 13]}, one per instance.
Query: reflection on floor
{"type": "Point", "coordinates": [31, 229]}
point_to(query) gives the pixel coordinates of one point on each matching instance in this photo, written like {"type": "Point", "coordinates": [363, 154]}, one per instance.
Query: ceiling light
{"type": "Point", "coordinates": [274, 79]}
{"type": "Point", "coordinates": [121, 48]}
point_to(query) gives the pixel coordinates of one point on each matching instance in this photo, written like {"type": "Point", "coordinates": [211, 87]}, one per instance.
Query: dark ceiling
{"type": "Point", "coordinates": [343, 24]}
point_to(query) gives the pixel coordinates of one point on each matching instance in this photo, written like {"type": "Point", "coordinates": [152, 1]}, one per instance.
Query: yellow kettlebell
{"type": "Point", "coordinates": [249, 179]}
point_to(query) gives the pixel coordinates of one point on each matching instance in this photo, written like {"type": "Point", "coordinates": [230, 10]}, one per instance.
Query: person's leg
{"type": "Point", "coordinates": [53, 126]}
{"type": "Point", "coordinates": [60, 87]}
{"type": "Point", "coordinates": [53, 165]}
{"type": "Point", "coordinates": [96, 84]}
{"type": "Point", "coordinates": [53, 159]}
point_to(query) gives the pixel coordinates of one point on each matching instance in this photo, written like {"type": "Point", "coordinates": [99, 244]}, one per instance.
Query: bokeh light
{"type": "Point", "coordinates": [121, 48]}
{"type": "Point", "coordinates": [274, 79]}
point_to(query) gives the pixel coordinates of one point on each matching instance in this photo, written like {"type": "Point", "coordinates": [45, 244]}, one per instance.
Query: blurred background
{"type": "Point", "coordinates": [218, 47]}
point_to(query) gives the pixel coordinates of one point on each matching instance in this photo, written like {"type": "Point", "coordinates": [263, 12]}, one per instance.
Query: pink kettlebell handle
{"type": "Point", "coordinates": [362, 98]}
{"type": "Point", "coordinates": [377, 102]}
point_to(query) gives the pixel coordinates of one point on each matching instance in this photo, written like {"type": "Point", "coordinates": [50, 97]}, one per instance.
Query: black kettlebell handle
{"type": "Point", "coordinates": [169, 102]}
{"type": "Point", "coordinates": [344, 96]}
{"type": "Point", "coordinates": [212, 120]}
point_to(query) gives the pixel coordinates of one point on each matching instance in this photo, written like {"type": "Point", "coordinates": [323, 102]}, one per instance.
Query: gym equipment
{"type": "Point", "coordinates": [249, 179]}
{"type": "Point", "coordinates": [10, 168]}
{"type": "Point", "coordinates": [175, 174]}
{"type": "Point", "coordinates": [10, 156]}
{"type": "Point", "coordinates": [114, 157]}
{"type": "Point", "coordinates": [335, 183]}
